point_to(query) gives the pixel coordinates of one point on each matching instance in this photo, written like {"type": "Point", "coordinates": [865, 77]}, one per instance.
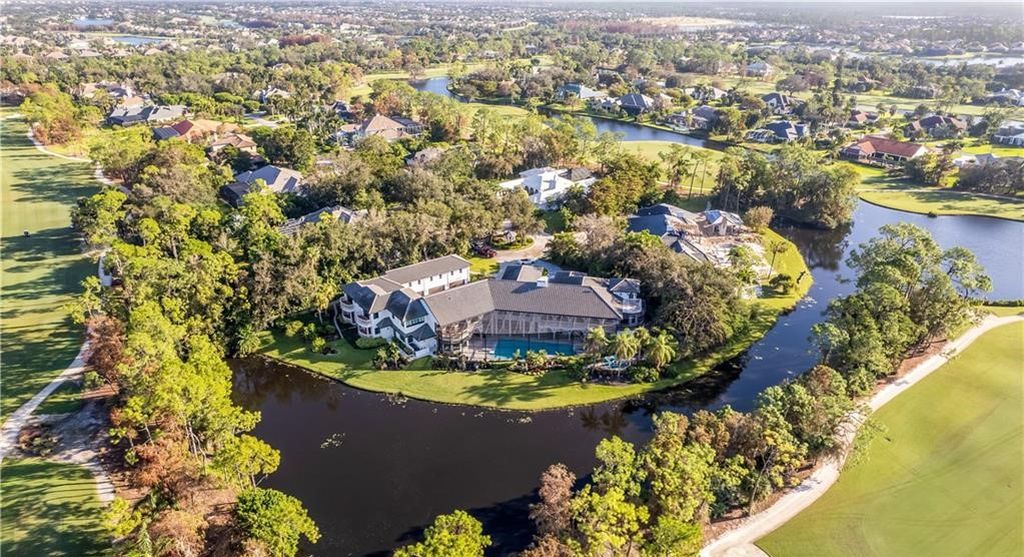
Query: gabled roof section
{"type": "Point", "coordinates": [425, 269]}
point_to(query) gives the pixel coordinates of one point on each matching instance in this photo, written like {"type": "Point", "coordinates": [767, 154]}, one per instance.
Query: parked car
{"type": "Point", "coordinates": [483, 250]}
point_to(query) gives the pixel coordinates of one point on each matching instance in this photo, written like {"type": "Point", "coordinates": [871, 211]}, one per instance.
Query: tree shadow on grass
{"type": "Point", "coordinates": [49, 509]}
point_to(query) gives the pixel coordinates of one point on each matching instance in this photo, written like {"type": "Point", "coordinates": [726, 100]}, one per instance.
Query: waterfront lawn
{"type": "Point", "coordinates": [49, 508]}
{"type": "Point", "coordinates": [880, 188]}
{"type": "Point", "coordinates": [943, 479]}
{"type": "Point", "coordinates": [708, 174]}
{"type": "Point", "coordinates": [39, 272]}
{"type": "Point", "coordinates": [517, 391]}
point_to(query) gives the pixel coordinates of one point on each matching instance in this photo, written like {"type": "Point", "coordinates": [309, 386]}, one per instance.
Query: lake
{"type": "Point", "coordinates": [135, 40]}
{"type": "Point", "coordinates": [373, 471]}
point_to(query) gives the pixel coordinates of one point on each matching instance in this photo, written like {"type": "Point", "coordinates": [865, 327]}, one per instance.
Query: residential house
{"type": "Point", "coordinates": [117, 91]}
{"type": "Point", "coordinates": [238, 140]}
{"type": "Point", "coordinates": [782, 131]}
{"type": "Point", "coordinates": [705, 93]}
{"type": "Point", "coordinates": [760, 69]}
{"type": "Point", "coordinates": [275, 178]}
{"type": "Point", "coordinates": [972, 160]}
{"type": "Point", "coordinates": [635, 104]}
{"type": "Point", "coordinates": [1010, 134]}
{"type": "Point", "coordinates": [779, 103]}
{"type": "Point", "coordinates": [129, 115]}
{"type": "Point", "coordinates": [264, 95]}
{"type": "Point", "coordinates": [860, 118]}
{"type": "Point", "coordinates": [546, 186]}
{"type": "Point", "coordinates": [337, 212]}
{"type": "Point", "coordinates": [882, 150]}
{"type": "Point", "coordinates": [424, 157]}
{"type": "Point", "coordinates": [936, 125]}
{"type": "Point", "coordinates": [1011, 97]}
{"type": "Point", "coordinates": [195, 130]}
{"type": "Point", "coordinates": [579, 91]}
{"type": "Point", "coordinates": [694, 235]}
{"type": "Point", "coordinates": [432, 306]}
{"type": "Point", "coordinates": [380, 125]}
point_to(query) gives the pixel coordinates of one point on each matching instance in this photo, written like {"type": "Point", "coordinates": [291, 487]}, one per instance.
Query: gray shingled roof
{"type": "Point", "coordinates": [424, 269]}
{"type": "Point", "coordinates": [554, 299]}
{"type": "Point", "coordinates": [462, 303]}
{"type": "Point", "coordinates": [526, 273]}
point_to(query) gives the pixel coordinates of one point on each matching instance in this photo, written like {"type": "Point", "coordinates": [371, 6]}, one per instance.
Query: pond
{"type": "Point", "coordinates": [135, 40]}
{"type": "Point", "coordinates": [627, 130]}
{"type": "Point", "coordinates": [373, 471]}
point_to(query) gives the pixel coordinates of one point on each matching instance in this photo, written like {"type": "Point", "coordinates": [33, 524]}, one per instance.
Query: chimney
{"type": "Point", "coordinates": [542, 282]}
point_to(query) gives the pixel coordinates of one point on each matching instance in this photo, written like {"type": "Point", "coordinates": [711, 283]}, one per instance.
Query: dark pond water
{"type": "Point", "coordinates": [373, 472]}
{"type": "Point", "coordinates": [628, 131]}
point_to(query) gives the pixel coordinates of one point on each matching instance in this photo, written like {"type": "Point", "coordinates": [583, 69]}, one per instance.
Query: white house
{"type": "Point", "coordinates": [760, 69]}
{"type": "Point", "coordinates": [546, 186]}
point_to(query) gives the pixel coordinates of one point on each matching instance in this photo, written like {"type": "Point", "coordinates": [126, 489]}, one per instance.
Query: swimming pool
{"type": "Point", "coordinates": [507, 347]}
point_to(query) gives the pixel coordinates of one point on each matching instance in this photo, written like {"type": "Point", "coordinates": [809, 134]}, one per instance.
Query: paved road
{"type": "Point", "coordinates": [739, 542]}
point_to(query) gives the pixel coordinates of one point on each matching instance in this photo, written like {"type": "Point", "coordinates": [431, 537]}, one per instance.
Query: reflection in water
{"type": "Point", "coordinates": [390, 468]}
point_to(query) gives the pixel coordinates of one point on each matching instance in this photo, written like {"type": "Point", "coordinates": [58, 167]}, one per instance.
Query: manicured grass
{"type": "Point", "coordinates": [946, 476]}
{"type": "Point", "coordinates": [39, 272]}
{"type": "Point", "coordinates": [897, 193]}
{"type": "Point", "coordinates": [708, 172]}
{"type": "Point", "coordinates": [515, 391]}
{"type": "Point", "coordinates": [482, 267]}
{"type": "Point", "coordinates": [49, 508]}
{"type": "Point", "coordinates": [1004, 311]}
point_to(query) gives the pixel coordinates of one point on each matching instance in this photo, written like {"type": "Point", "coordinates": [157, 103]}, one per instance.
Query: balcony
{"type": "Point", "coordinates": [364, 320]}
{"type": "Point", "coordinates": [631, 306]}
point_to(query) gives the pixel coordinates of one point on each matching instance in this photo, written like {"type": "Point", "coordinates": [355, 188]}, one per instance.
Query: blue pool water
{"type": "Point", "coordinates": [506, 347]}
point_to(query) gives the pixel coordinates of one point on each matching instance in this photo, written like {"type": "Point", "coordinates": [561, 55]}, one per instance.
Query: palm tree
{"type": "Point", "coordinates": [777, 248]}
{"type": "Point", "coordinates": [625, 345]}
{"type": "Point", "coordinates": [597, 341]}
{"type": "Point", "coordinates": [677, 160]}
{"type": "Point", "coordinates": [661, 350]}
{"type": "Point", "coordinates": [643, 338]}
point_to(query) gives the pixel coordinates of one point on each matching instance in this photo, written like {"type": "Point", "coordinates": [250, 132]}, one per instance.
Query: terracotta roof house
{"type": "Point", "coordinates": [860, 118]}
{"type": "Point", "coordinates": [237, 140]}
{"type": "Point", "coordinates": [432, 306]}
{"type": "Point", "coordinates": [882, 149]}
{"type": "Point", "coordinates": [936, 126]}
{"type": "Point", "coordinates": [199, 129]}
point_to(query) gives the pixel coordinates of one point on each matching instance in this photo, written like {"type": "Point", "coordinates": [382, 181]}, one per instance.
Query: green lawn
{"type": "Point", "coordinates": [40, 272]}
{"type": "Point", "coordinates": [896, 193]}
{"type": "Point", "coordinates": [66, 399]}
{"type": "Point", "coordinates": [944, 479]}
{"type": "Point", "coordinates": [515, 391]}
{"type": "Point", "coordinates": [49, 509]}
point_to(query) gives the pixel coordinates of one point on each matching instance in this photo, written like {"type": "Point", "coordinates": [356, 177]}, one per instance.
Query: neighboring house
{"type": "Point", "coordinates": [263, 95]}
{"type": "Point", "coordinates": [760, 69]}
{"type": "Point", "coordinates": [337, 212]}
{"type": "Point", "coordinates": [705, 93]}
{"type": "Point", "coordinates": [424, 157]}
{"type": "Point", "coordinates": [117, 91]}
{"type": "Point", "coordinates": [860, 118]}
{"type": "Point", "coordinates": [277, 180]}
{"type": "Point", "coordinates": [782, 131]}
{"type": "Point", "coordinates": [971, 160]}
{"type": "Point", "coordinates": [635, 104]}
{"type": "Point", "coordinates": [194, 131]}
{"type": "Point", "coordinates": [343, 109]}
{"type": "Point", "coordinates": [883, 150]}
{"type": "Point", "coordinates": [129, 115]}
{"type": "Point", "coordinates": [686, 232]}
{"type": "Point", "coordinates": [380, 125]}
{"type": "Point", "coordinates": [1010, 134]}
{"type": "Point", "coordinates": [237, 140]}
{"type": "Point", "coordinates": [936, 126]}
{"type": "Point", "coordinates": [579, 91]}
{"type": "Point", "coordinates": [1012, 97]}
{"type": "Point", "coordinates": [432, 306]}
{"type": "Point", "coordinates": [779, 103]}
{"type": "Point", "coordinates": [546, 186]}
